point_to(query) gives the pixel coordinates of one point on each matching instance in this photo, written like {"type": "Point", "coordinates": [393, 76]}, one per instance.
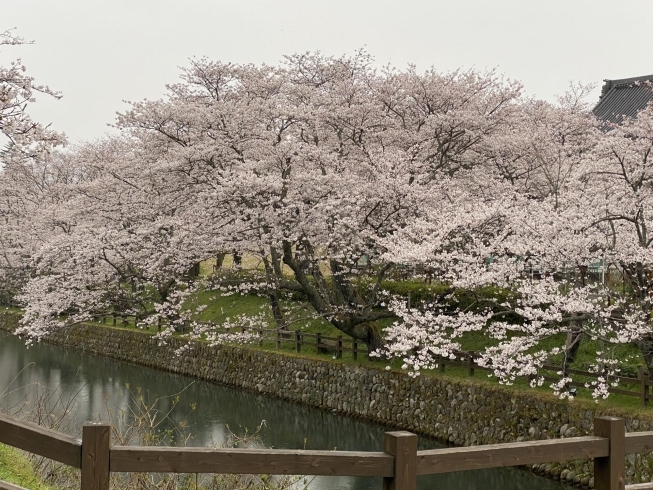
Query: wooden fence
{"type": "Point", "coordinates": [400, 463]}
{"type": "Point", "coordinates": [336, 346]}
{"type": "Point", "coordinates": [323, 344]}
{"type": "Point", "coordinates": [643, 382]}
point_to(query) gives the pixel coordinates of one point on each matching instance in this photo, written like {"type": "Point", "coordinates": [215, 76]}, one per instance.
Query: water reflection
{"type": "Point", "coordinates": [100, 383]}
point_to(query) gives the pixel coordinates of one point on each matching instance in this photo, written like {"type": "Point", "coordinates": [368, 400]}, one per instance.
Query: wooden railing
{"type": "Point", "coordinates": [336, 346]}
{"type": "Point", "coordinates": [643, 382]}
{"type": "Point", "coordinates": [323, 344]}
{"type": "Point", "coordinates": [399, 464]}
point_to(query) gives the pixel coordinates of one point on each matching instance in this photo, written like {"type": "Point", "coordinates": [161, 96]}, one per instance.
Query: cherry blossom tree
{"type": "Point", "coordinates": [26, 138]}
{"type": "Point", "coordinates": [311, 163]}
{"type": "Point", "coordinates": [121, 249]}
{"type": "Point", "coordinates": [25, 171]}
{"type": "Point", "coordinates": [621, 185]}
{"type": "Point", "coordinates": [332, 173]}
{"type": "Point", "coordinates": [567, 195]}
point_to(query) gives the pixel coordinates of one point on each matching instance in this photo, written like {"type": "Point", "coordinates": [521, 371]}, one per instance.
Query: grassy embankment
{"type": "Point", "coordinates": [302, 316]}
{"type": "Point", "coordinates": [220, 307]}
{"type": "Point", "coordinates": [16, 468]}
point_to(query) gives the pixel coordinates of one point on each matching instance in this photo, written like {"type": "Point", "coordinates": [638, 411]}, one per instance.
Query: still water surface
{"type": "Point", "coordinates": [100, 383]}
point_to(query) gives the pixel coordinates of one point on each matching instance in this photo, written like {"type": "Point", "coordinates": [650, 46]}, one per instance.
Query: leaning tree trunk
{"type": "Point", "coordinates": [370, 334]}
{"type": "Point", "coordinates": [645, 345]}
{"type": "Point", "coordinates": [273, 274]}
{"type": "Point", "coordinates": [277, 312]}
{"type": "Point", "coordinates": [374, 339]}
{"type": "Point", "coordinates": [327, 299]}
{"type": "Point", "coordinates": [572, 344]}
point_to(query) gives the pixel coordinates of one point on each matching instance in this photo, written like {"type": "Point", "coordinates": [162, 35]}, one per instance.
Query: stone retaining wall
{"type": "Point", "coordinates": [459, 411]}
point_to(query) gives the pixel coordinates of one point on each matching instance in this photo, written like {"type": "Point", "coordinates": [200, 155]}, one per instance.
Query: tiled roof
{"type": "Point", "coordinates": [624, 98]}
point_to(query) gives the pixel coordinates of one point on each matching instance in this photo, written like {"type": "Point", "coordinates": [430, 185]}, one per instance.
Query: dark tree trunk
{"type": "Point", "coordinates": [373, 339]}
{"type": "Point", "coordinates": [646, 348]}
{"type": "Point", "coordinates": [273, 273]}
{"type": "Point", "coordinates": [358, 322]}
{"type": "Point", "coordinates": [367, 332]}
{"type": "Point", "coordinates": [277, 312]}
{"type": "Point", "coordinates": [276, 262]}
{"type": "Point", "coordinates": [195, 270]}
{"type": "Point", "coordinates": [572, 344]}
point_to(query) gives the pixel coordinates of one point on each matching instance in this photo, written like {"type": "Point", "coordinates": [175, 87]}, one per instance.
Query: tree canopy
{"type": "Point", "coordinates": [334, 174]}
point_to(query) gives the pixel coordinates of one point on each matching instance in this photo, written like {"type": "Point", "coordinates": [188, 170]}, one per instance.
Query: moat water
{"type": "Point", "coordinates": [95, 385]}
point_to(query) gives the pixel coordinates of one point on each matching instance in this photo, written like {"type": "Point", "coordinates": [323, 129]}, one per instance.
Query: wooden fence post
{"type": "Point", "coordinates": [96, 443]}
{"type": "Point", "coordinates": [470, 363]}
{"type": "Point", "coordinates": [114, 319]}
{"type": "Point", "coordinates": [260, 337]}
{"type": "Point", "coordinates": [403, 446]}
{"type": "Point", "coordinates": [610, 472]}
{"type": "Point", "coordinates": [278, 345]}
{"type": "Point", "coordinates": [339, 347]}
{"type": "Point", "coordinates": [354, 349]}
{"type": "Point", "coordinates": [643, 386]}
{"type": "Point", "coordinates": [298, 341]}
{"type": "Point", "coordinates": [441, 364]}
{"type": "Point", "coordinates": [318, 341]}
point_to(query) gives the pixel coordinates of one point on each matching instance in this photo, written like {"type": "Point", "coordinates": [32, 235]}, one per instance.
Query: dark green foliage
{"type": "Point", "coordinates": [419, 292]}
{"type": "Point", "coordinates": [452, 299]}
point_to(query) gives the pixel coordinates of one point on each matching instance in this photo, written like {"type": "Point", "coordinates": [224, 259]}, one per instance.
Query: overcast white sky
{"type": "Point", "coordinates": [99, 53]}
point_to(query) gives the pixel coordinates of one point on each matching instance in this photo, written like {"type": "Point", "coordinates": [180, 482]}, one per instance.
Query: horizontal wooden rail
{"type": "Point", "coordinates": [511, 454]}
{"type": "Point", "coordinates": [639, 442]}
{"type": "Point", "coordinates": [39, 440]}
{"type": "Point", "coordinates": [631, 380]}
{"type": "Point", "coordinates": [8, 486]}
{"type": "Point", "coordinates": [248, 461]}
{"type": "Point", "coordinates": [640, 486]}
{"type": "Point", "coordinates": [619, 391]}
{"type": "Point", "coordinates": [399, 464]}
{"type": "Point", "coordinates": [588, 374]}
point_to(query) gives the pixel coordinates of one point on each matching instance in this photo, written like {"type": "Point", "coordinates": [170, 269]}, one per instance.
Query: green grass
{"type": "Point", "coordinates": [629, 355]}
{"type": "Point", "coordinates": [615, 404]}
{"type": "Point", "coordinates": [302, 317]}
{"type": "Point", "coordinates": [221, 307]}
{"type": "Point", "coordinates": [16, 468]}
{"type": "Point", "coordinates": [299, 314]}
{"type": "Point", "coordinates": [10, 309]}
